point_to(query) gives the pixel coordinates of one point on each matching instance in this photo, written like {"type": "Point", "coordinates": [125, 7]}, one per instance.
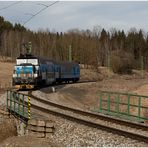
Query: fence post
{"type": "Point", "coordinates": [29, 105]}
{"type": "Point", "coordinates": [10, 100]}
{"type": "Point", "coordinates": [128, 105]}
{"type": "Point", "coordinates": [100, 106]}
{"type": "Point", "coordinates": [117, 100]}
{"type": "Point", "coordinates": [108, 102]}
{"type": "Point", "coordinates": [7, 99]}
{"type": "Point", "coordinates": [139, 107]}
{"type": "Point", "coordinates": [18, 104]}
{"type": "Point", "coordinates": [14, 99]}
{"type": "Point", "coordinates": [23, 104]}
{"type": "Point", "coordinates": [96, 104]}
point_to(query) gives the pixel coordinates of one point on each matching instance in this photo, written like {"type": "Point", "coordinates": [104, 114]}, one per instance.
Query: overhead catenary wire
{"type": "Point", "coordinates": [42, 4]}
{"type": "Point", "coordinates": [29, 14]}
{"type": "Point", "coordinates": [15, 3]}
{"type": "Point", "coordinates": [46, 6]}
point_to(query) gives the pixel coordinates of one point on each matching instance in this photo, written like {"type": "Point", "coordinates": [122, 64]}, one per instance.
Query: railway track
{"type": "Point", "coordinates": [55, 85]}
{"type": "Point", "coordinates": [117, 126]}
{"type": "Point", "coordinates": [86, 81]}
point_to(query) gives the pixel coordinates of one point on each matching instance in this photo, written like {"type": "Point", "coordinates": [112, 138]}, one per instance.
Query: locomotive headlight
{"type": "Point", "coordinates": [36, 69]}
{"type": "Point", "coordinates": [35, 75]}
{"type": "Point", "coordinates": [14, 75]}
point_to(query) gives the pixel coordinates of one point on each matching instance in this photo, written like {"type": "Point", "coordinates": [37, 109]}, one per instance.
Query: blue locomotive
{"type": "Point", "coordinates": [31, 71]}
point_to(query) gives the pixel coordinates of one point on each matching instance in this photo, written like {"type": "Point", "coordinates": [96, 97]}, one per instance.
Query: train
{"type": "Point", "coordinates": [33, 71]}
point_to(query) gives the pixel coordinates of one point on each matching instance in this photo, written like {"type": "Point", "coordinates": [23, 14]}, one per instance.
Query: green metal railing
{"type": "Point", "coordinates": [17, 103]}
{"type": "Point", "coordinates": [124, 105]}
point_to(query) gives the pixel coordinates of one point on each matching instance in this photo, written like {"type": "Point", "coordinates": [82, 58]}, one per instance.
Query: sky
{"type": "Point", "coordinates": [66, 15]}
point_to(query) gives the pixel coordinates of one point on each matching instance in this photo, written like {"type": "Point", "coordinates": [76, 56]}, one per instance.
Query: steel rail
{"type": "Point", "coordinates": [94, 115]}
{"type": "Point", "coordinates": [94, 125]}
{"type": "Point", "coordinates": [91, 114]}
{"type": "Point", "coordinates": [91, 123]}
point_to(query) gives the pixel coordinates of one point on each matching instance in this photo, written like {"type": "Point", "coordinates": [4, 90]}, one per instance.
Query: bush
{"type": "Point", "coordinates": [122, 63]}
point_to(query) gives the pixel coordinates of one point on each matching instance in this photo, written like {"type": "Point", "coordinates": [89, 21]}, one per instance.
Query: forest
{"type": "Point", "coordinates": [122, 51]}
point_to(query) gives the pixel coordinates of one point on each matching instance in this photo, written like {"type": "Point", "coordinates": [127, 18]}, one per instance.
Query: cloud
{"type": "Point", "coordinates": [83, 15]}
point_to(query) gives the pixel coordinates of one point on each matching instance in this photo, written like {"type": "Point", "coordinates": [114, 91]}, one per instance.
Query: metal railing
{"type": "Point", "coordinates": [17, 104]}
{"type": "Point", "coordinates": [124, 105]}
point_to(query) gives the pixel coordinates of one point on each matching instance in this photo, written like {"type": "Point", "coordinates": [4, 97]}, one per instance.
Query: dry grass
{"type": "Point", "coordinates": [6, 71]}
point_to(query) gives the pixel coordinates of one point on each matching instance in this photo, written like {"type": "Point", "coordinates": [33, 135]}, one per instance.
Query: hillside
{"type": "Point", "coordinates": [82, 95]}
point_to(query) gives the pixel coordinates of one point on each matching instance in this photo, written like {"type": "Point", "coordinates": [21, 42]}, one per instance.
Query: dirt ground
{"type": "Point", "coordinates": [8, 129]}
{"type": "Point", "coordinates": [78, 95]}
{"type": "Point", "coordinates": [86, 96]}
{"type": "Point", "coordinates": [27, 141]}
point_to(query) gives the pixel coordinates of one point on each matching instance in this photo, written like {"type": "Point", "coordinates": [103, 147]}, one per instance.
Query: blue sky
{"type": "Point", "coordinates": [66, 15]}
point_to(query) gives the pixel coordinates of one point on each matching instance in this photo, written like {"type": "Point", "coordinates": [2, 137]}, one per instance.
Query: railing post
{"type": "Point", "coordinates": [7, 99]}
{"type": "Point", "coordinates": [108, 102]}
{"type": "Point", "coordinates": [23, 105]}
{"type": "Point", "coordinates": [117, 100]}
{"type": "Point", "coordinates": [128, 105]}
{"type": "Point", "coordinates": [29, 105]}
{"type": "Point", "coordinates": [96, 104]}
{"type": "Point", "coordinates": [10, 100]}
{"type": "Point", "coordinates": [100, 106]}
{"type": "Point", "coordinates": [14, 100]}
{"type": "Point", "coordinates": [139, 107]}
{"type": "Point", "coordinates": [18, 104]}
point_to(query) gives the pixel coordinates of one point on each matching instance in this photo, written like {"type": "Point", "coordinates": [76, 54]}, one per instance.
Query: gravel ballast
{"type": "Point", "coordinates": [73, 134]}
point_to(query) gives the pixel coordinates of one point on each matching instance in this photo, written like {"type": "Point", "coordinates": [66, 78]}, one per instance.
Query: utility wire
{"type": "Point", "coordinates": [46, 6]}
{"type": "Point", "coordinates": [29, 14]}
{"type": "Point", "coordinates": [42, 4]}
{"type": "Point", "coordinates": [10, 5]}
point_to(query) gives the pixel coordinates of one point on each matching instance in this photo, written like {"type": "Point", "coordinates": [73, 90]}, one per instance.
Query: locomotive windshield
{"type": "Point", "coordinates": [24, 70]}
